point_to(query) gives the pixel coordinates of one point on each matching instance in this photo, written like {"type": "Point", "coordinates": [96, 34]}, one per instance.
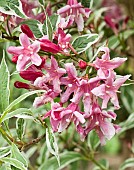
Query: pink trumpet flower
{"type": "Point", "coordinates": [26, 53]}
{"type": "Point", "coordinates": [75, 11]}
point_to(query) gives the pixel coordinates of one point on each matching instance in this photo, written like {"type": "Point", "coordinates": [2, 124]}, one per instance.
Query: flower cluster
{"type": "Point", "coordinates": [73, 90]}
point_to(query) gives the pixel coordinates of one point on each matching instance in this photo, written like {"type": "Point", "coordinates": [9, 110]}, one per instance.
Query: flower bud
{"type": "Point", "coordinates": [82, 64]}
{"type": "Point", "coordinates": [30, 75]}
{"type": "Point", "coordinates": [19, 84]}
{"type": "Point", "coordinates": [26, 30]}
{"type": "Point", "coordinates": [14, 59]}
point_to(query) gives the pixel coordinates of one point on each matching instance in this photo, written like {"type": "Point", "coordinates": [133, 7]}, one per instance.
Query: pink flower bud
{"type": "Point", "coordinates": [19, 84]}
{"type": "Point", "coordinates": [26, 30]}
{"type": "Point", "coordinates": [30, 75]}
{"type": "Point", "coordinates": [82, 64]}
{"type": "Point", "coordinates": [14, 59]}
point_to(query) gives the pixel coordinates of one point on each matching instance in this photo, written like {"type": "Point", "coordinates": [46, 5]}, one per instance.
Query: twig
{"type": "Point", "coordinates": [32, 142]}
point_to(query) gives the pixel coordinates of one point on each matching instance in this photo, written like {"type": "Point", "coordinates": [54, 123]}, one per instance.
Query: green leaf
{"type": "Point", "coordinates": [49, 28]}
{"type": "Point", "coordinates": [86, 3]}
{"type": "Point", "coordinates": [42, 2]}
{"type": "Point", "coordinates": [93, 140]}
{"type": "Point", "coordinates": [4, 151]}
{"type": "Point", "coordinates": [104, 163]}
{"type": "Point", "coordinates": [128, 124]}
{"type": "Point", "coordinates": [35, 26]}
{"type": "Point", "coordinates": [82, 43]}
{"type": "Point", "coordinates": [12, 7]}
{"type": "Point", "coordinates": [127, 164]}
{"type": "Point", "coordinates": [20, 127]}
{"type": "Point", "coordinates": [18, 155]}
{"type": "Point", "coordinates": [55, 20]}
{"type": "Point", "coordinates": [113, 42]}
{"type": "Point", "coordinates": [14, 162]}
{"type": "Point", "coordinates": [127, 97]}
{"type": "Point", "coordinates": [52, 22]}
{"type": "Point", "coordinates": [21, 113]}
{"type": "Point", "coordinates": [4, 85]}
{"type": "Point", "coordinates": [66, 159]}
{"type": "Point", "coordinates": [5, 167]}
{"type": "Point", "coordinates": [52, 144]}
{"type": "Point", "coordinates": [18, 100]}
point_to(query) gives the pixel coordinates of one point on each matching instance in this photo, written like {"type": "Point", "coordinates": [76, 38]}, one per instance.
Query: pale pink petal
{"type": "Point", "coordinates": [87, 103]}
{"type": "Point", "coordinates": [106, 98]}
{"type": "Point", "coordinates": [77, 96]}
{"type": "Point", "coordinates": [15, 50]}
{"type": "Point", "coordinates": [56, 84]}
{"type": "Point", "coordinates": [65, 96]}
{"type": "Point", "coordinates": [79, 116]}
{"type": "Point", "coordinates": [24, 40]}
{"type": "Point", "coordinates": [114, 100]}
{"type": "Point", "coordinates": [63, 9]}
{"type": "Point", "coordinates": [80, 22]}
{"type": "Point", "coordinates": [99, 91]}
{"type": "Point", "coordinates": [35, 46]}
{"type": "Point", "coordinates": [65, 121]}
{"type": "Point", "coordinates": [35, 59]}
{"type": "Point", "coordinates": [54, 63]}
{"type": "Point", "coordinates": [85, 11]}
{"type": "Point", "coordinates": [118, 82]}
{"type": "Point", "coordinates": [107, 129]}
{"type": "Point", "coordinates": [54, 124]}
{"type": "Point", "coordinates": [71, 70]}
{"type": "Point", "coordinates": [105, 56]}
{"type": "Point", "coordinates": [22, 62]}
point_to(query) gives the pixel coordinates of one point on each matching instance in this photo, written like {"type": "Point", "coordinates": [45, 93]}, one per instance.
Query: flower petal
{"type": "Point", "coordinates": [24, 40]}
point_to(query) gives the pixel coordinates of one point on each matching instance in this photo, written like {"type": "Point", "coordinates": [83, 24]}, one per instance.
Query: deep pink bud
{"type": "Point", "coordinates": [19, 84]}
{"type": "Point", "coordinates": [30, 75]}
{"type": "Point", "coordinates": [14, 59]}
{"type": "Point", "coordinates": [26, 30]}
{"type": "Point", "coordinates": [48, 46]}
{"type": "Point", "coordinates": [82, 64]}
{"type": "Point", "coordinates": [110, 23]}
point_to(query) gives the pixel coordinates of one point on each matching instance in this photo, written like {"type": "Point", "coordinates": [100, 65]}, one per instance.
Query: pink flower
{"type": "Point", "coordinates": [76, 11]}
{"type": "Point", "coordinates": [98, 120]}
{"type": "Point", "coordinates": [63, 39]}
{"type": "Point", "coordinates": [55, 73]}
{"type": "Point", "coordinates": [61, 117]}
{"type": "Point", "coordinates": [26, 53]}
{"type": "Point", "coordinates": [104, 63]}
{"type": "Point", "coordinates": [49, 82]}
{"type": "Point", "coordinates": [109, 89]}
{"type": "Point", "coordinates": [49, 96]}
{"type": "Point", "coordinates": [71, 81]}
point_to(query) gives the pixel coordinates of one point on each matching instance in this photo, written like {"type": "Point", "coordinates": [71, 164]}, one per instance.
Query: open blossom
{"type": "Point", "coordinates": [61, 117]}
{"type": "Point", "coordinates": [55, 73]}
{"type": "Point", "coordinates": [75, 12]}
{"type": "Point", "coordinates": [26, 53]}
{"type": "Point", "coordinates": [104, 64]}
{"type": "Point", "coordinates": [71, 81]}
{"type": "Point", "coordinates": [63, 39]}
{"type": "Point", "coordinates": [109, 90]}
{"type": "Point", "coordinates": [98, 120]}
